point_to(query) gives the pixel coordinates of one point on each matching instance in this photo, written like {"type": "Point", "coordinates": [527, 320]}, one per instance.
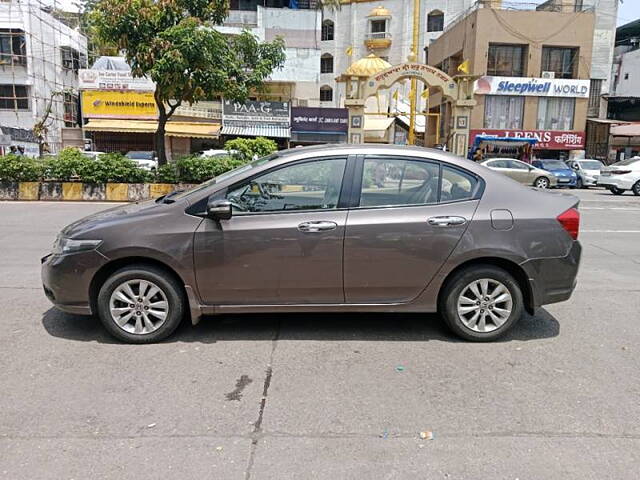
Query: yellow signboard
{"type": "Point", "coordinates": [114, 104]}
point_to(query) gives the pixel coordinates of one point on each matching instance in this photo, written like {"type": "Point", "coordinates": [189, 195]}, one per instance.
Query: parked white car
{"type": "Point", "coordinates": [147, 160]}
{"type": "Point", "coordinates": [93, 155]}
{"type": "Point", "coordinates": [621, 176]}
{"type": "Point", "coordinates": [217, 153]}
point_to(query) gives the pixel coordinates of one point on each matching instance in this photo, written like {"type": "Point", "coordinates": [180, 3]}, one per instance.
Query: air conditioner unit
{"type": "Point", "coordinates": [548, 74]}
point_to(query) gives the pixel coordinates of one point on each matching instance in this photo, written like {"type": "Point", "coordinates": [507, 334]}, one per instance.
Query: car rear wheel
{"type": "Point", "coordinates": [481, 303]}
{"type": "Point", "coordinates": [140, 304]}
{"type": "Point", "coordinates": [636, 188]}
{"type": "Point", "coordinates": [541, 182]}
{"type": "Point", "coordinates": [579, 183]}
{"type": "Point", "coordinates": [616, 190]}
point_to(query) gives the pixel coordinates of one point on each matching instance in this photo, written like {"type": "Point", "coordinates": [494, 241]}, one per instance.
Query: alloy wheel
{"type": "Point", "coordinates": [138, 306]}
{"type": "Point", "coordinates": [636, 188]}
{"type": "Point", "coordinates": [484, 305]}
{"type": "Point", "coordinates": [542, 183]}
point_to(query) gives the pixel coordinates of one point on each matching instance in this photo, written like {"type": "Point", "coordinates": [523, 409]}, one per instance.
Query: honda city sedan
{"type": "Point", "coordinates": [324, 229]}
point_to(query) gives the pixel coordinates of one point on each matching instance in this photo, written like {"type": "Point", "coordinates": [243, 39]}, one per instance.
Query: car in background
{"type": "Point", "coordinates": [587, 171]}
{"type": "Point", "coordinates": [621, 176]}
{"type": "Point", "coordinates": [213, 152]}
{"type": "Point", "coordinates": [369, 228]}
{"type": "Point", "coordinates": [93, 155]}
{"type": "Point", "coordinates": [565, 176]}
{"type": "Point", "coordinates": [522, 172]}
{"type": "Point", "coordinates": [146, 159]}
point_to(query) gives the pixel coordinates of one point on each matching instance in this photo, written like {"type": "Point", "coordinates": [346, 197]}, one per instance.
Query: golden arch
{"type": "Point", "coordinates": [431, 76]}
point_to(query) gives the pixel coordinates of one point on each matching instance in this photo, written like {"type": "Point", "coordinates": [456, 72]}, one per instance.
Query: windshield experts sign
{"type": "Point", "coordinates": [532, 87]}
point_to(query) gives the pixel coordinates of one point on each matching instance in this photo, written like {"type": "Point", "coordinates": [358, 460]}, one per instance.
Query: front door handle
{"type": "Point", "coordinates": [314, 227]}
{"type": "Point", "coordinates": [446, 221]}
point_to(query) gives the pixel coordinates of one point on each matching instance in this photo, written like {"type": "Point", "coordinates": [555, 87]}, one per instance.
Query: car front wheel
{"type": "Point", "coordinates": [541, 182]}
{"type": "Point", "coordinates": [141, 304]}
{"type": "Point", "coordinates": [481, 303]}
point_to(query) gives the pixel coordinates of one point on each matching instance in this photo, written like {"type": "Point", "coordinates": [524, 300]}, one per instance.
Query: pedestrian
{"type": "Point", "coordinates": [20, 151]}
{"type": "Point", "coordinates": [13, 150]}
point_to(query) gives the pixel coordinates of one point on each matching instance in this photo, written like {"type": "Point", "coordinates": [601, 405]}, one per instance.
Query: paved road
{"type": "Point", "coordinates": [319, 396]}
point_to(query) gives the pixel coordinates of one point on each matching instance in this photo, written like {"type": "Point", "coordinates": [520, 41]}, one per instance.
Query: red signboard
{"type": "Point", "coordinates": [547, 139]}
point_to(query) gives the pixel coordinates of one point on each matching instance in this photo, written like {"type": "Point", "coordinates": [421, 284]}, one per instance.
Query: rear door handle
{"type": "Point", "coordinates": [446, 221]}
{"type": "Point", "coordinates": [314, 227]}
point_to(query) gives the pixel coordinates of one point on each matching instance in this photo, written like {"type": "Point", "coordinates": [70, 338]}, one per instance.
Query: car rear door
{"type": "Point", "coordinates": [284, 242]}
{"type": "Point", "coordinates": [407, 216]}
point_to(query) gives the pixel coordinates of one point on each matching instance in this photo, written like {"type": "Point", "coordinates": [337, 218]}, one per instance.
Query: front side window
{"type": "Point", "coordinates": [516, 165]}
{"type": "Point", "coordinates": [503, 111]}
{"type": "Point", "coordinates": [563, 62]}
{"type": "Point", "coordinates": [506, 60]}
{"type": "Point", "coordinates": [14, 97]}
{"type": "Point", "coordinates": [556, 113]}
{"type": "Point", "coordinates": [391, 182]}
{"type": "Point", "coordinates": [311, 185]}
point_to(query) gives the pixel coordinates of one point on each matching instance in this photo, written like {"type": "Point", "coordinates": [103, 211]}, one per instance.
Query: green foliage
{"type": "Point", "coordinates": [72, 164]}
{"type": "Point", "coordinates": [197, 169]}
{"type": "Point", "coordinates": [68, 165]}
{"type": "Point", "coordinates": [15, 168]}
{"type": "Point", "coordinates": [246, 149]}
{"type": "Point", "coordinates": [167, 173]}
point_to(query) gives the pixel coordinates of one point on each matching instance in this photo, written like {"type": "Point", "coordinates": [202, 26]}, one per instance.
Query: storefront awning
{"type": "Point", "coordinates": [173, 129]}
{"type": "Point", "coordinates": [630, 130]}
{"type": "Point", "coordinates": [257, 131]}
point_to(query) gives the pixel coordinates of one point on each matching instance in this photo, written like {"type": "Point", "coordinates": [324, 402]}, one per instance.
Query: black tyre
{"type": "Point", "coordinates": [579, 183]}
{"type": "Point", "coordinates": [481, 303]}
{"type": "Point", "coordinates": [141, 304]}
{"type": "Point", "coordinates": [636, 188]}
{"type": "Point", "coordinates": [616, 190]}
{"type": "Point", "coordinates": [541, 182]}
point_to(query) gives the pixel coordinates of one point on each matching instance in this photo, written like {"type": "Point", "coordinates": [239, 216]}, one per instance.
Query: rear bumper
{"type": "Point", "coordinates": [618, 181]}
{"type": "Point", "coordinates": [553, 280]}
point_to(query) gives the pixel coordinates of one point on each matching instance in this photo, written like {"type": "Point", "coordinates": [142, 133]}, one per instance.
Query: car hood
{"type": "Point", "coordinates": [83, 227]}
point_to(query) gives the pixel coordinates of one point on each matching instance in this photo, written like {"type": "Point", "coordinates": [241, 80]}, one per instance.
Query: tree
{"type": "Point", "coordinates": [174, 43]}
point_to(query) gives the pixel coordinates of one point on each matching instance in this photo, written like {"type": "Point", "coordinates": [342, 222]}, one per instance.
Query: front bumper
{"type": "Point", "coordinates": [589, 181]}
{"type": "Point", "coordinates": [553, 280]}
{"type": "Point", "coordinates": [567, 181]}
{"type": "Point", "coordinates": [66, 279]}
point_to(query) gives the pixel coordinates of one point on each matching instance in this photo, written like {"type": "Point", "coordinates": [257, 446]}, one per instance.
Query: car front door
{"type": "Point", "coordinates": [284, 242]}
{"type": "Point", "coordinates": [520, 171]}
{"type": "Point", "coordinates": [408, 218]}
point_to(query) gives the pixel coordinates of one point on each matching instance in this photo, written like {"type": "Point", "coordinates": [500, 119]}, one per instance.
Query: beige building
{"type": "Point", "coordinates": [531, 70]}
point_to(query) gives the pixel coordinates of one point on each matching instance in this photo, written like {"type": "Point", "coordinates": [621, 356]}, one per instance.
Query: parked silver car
{"type": "Point", "coordinates": [588, 171]}
{"type": "Point", "coordinates": [522, 172]}
{"type": "Point", "coordinates": [341, 228]}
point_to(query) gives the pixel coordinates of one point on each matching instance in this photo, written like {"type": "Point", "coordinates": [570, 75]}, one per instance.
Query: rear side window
{"type": "Point", "coordinates": [457, 185]}
{"type": "Point", "coordinates": [391, 182]}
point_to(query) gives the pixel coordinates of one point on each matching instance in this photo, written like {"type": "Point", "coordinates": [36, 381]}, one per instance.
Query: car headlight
{"type": "Point", "coordinates": [63, 245]}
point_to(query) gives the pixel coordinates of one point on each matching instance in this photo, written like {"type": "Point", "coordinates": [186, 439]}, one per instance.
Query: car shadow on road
{"type": "Point", "coordinates": [307, 326]}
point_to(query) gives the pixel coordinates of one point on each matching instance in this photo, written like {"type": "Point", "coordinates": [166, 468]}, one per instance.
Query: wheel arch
{"type": "Point", "coordinates": [109, 268]}
{"type": "Point", "coordinates": [511, 267]}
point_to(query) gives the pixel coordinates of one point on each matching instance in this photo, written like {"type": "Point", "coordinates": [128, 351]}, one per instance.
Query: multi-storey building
{"type": "Point", "coordinates": [39, 61]}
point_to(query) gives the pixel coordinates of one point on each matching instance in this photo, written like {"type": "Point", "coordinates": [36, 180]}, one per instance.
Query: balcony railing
{"type": "Point", "coordinates": [378, 35]}
{"type": "Point", "coordinates": [241, 18]}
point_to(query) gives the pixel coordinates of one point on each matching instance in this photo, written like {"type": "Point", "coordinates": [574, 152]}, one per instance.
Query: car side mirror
{"type": "Point", "coordinates": [218, 209]}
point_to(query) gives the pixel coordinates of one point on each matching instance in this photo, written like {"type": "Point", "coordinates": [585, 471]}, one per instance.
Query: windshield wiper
{"type": "Point", "coordinates": [167, 198]}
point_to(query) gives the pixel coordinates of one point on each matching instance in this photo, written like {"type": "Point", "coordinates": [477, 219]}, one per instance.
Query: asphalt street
{"type": "Point", "coordinates": [326, 396]}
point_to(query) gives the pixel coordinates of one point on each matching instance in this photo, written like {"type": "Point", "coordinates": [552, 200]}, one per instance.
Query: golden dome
{"type": "Point", "coordinates": [369, 65]}
{"type": "Point", "coordinates": [379, 11]}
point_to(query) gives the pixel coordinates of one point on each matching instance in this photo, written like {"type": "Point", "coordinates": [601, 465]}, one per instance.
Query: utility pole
{"type": "Point", "coordinates": [413, 57]}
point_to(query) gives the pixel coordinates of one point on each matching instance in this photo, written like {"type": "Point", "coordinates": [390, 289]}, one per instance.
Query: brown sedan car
{"type": "Point", "coordinates": [335, 228]}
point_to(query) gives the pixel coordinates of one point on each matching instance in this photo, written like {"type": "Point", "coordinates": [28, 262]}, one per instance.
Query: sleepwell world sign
{"type": "Point", "coordinates": [532, 87]}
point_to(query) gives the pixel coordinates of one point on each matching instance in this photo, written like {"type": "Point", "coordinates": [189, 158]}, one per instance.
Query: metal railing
{"type": "Point", "coordinates": [377, 35]}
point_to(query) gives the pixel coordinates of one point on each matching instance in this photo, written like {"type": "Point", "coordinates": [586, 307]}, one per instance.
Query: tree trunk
{"type": "Point", "coordinates": [159, 138]}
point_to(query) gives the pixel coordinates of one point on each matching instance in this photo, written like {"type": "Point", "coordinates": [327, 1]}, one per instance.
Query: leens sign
{"type": "Point", "coordinates": [532, 87]}
{"type": "Point", "coordinates": [547, 139]}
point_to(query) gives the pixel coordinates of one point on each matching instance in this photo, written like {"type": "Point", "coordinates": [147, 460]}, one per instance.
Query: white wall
{"type": "Point", "coordinates": [630, 65]}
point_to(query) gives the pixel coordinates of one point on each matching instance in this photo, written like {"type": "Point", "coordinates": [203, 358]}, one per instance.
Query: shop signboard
{"type": "Point", "coordinates": [113, 80]}
{"type": "Point", "coordinates": [252, 113]}
{"type": "Point", "coordinates": [319, 120]}
{"type": "Point", "coordinates": [532, 87]}
{"type": "Point", "coordinates": [547, 139]}
{"type": "Point", "coordinates": [113, 104]}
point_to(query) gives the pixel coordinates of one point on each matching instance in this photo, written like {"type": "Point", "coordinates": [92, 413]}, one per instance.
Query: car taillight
{"type": "Point", "coordinates": [619, 172]}
{"type": "Point", "coordinates": [570, 221]}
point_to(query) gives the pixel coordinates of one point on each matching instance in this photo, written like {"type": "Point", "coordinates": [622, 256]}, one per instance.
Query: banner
{"type": "Point", "coordinates": [113, 80]}
{"type": "Point", "coordinates": [256, 112]}
{"type": "Point", "coordinates": [317, 119]}
{"type": "Point", "coordinates": [547, 139]}
{"type": "Point", "coordinates": [126, 105]}
{"type": "Point", "coordinates": [532, 87]}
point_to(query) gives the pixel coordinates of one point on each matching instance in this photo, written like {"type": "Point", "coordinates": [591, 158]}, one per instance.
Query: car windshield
{"type": "Point", "coordinates": [226, 176]}
{"type": "Point", "coordinates": [590, 164]}
{"type": "Point", "coordinates": [626, 162]}
{"type": "Point", "coordinates": [553, 164]}
{"type": "Point", "coordinates": [140, 155]}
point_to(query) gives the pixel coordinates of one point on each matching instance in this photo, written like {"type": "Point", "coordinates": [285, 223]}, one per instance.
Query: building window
{"type": "Point", "coordinates": [503, 112]}
{"type": "Point", "coordinates": [72, 59]}
{"type": "Point", "coordinates": [556, 113]}
{"type": "Point", "coordinates": [326, 63]}
{"type": "Point", "coordinates": [326, 93]}
{"type": "Point", "coordinates": [563, 62]}
{"type": "Point", "coordinates": [435, 21]}
{"type": "Point", "coordinates": [70, 110]}
{"type": "Point", "coordinates": [327, 30]}
{"type": "Point", "coordinates": [14, 97]}
{"type": "Point", "coordinates": [378, 26]}
{"type": "Point", "coordinates": [594, 97]}
{"type": "Point", "coordinates": [506, 60]}
{"type": "Point", "coordinates": [13, 50]}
